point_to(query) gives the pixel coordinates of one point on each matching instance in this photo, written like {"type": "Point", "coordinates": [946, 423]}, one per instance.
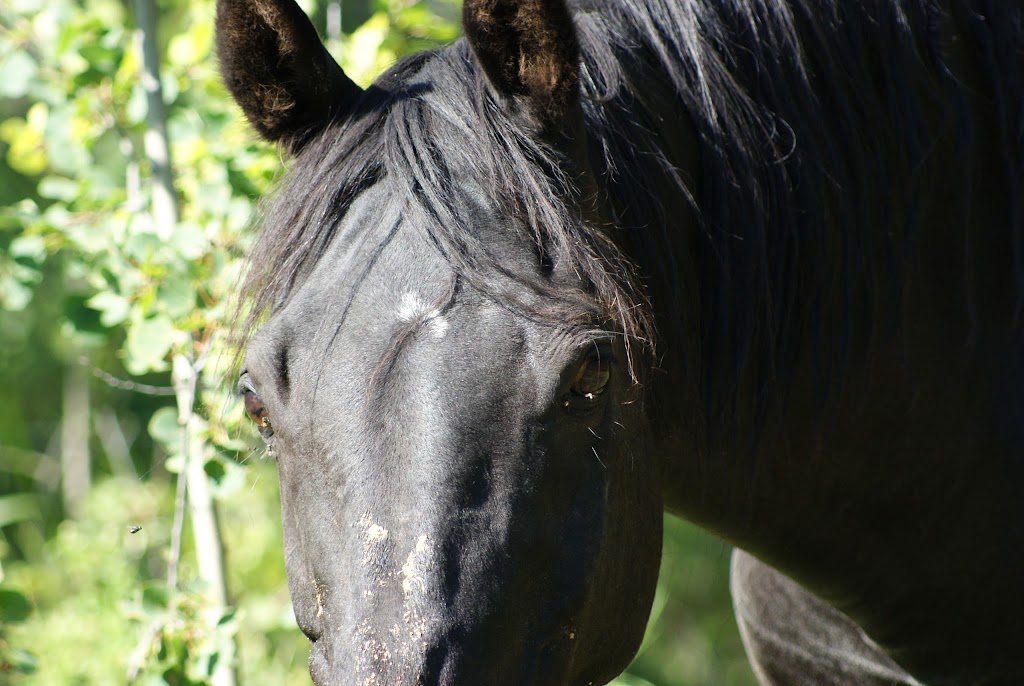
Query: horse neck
{"type": "Point", "coordinates": [841, 467]}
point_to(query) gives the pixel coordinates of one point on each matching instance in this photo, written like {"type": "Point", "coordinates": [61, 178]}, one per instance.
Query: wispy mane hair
{"type": "Point", "coordinates": [826, 131]}
{"type": "Point", "coordinates": [817, 124]}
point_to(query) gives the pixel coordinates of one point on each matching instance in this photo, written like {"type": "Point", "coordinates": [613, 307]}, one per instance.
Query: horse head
{"type": "Point", "coordinates": [446, 365]}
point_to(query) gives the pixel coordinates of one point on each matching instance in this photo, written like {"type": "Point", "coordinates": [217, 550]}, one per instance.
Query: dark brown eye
{"type": "Point", "coordinates": [256, 410]}
{"type": "Point", "coordinates": [592, 378]}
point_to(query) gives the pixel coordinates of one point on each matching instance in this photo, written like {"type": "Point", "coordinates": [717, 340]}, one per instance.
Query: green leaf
{"type": "Point", "coordinates": [17, 70]}
{"type": "Point", "coordinates": [101, 57]}
{"type": "Point", "coordinates": [190, 240]}
{"type": "Point", "coordinates": [20, 661]}
{"type": "Point", "coordinates": [18, 507]}
{"type": "Point", "coordinates": [137, 106]}
{"type": "Point", "coordinates": [113, 308]}
{"type": "Point", "coordinates": [14, 607]}
{"type": "Point", "coordinates": [228, 617]}
{"type": "Point", "coordinates": [28, 247]}
{"type": "Point", "coordinates": [164, 428]}
{"type": "Point", "coordinates": [226, 477]}
{"type": "Point", "coordinates": [214, 469]}
{"type": "Point", "coordinates": [169, 87]}
{"type": "Point", "coordinates": [149, 340]}
{"type": "Point", "coordinates": [27, 152]}
{"type": "Point", "coordinates": [177, 296]}
{"type": "Point", "coordinates": [14, 295]}
{"type": "Point", "coordinates": [364, 51]}
{"type": "Point", "coordinates": [175, 464]}
{"type": "Point", "coordinates": [156, 596]}
{"type": "Point", "coordinates": [58, 188]}
{"type": "Point", "coordinates": [65, 147]}
{"type": "Point", "coordinates": [141, 244]}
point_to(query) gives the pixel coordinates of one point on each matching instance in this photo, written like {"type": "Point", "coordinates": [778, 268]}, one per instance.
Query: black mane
{"type": "Point", "coordinates": [818, 123]}
{"type": "Point", "coordinates": [815, 121]}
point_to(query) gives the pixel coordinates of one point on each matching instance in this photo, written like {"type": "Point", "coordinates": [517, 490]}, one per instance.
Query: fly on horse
{"type": "Point", "coordinates": [756, 262]}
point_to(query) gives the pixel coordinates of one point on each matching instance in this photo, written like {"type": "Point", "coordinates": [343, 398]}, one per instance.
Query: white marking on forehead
{"type": "Point", "coordinates": [439, 326]}
{"type": "Point", "coordinates": [413, 309]}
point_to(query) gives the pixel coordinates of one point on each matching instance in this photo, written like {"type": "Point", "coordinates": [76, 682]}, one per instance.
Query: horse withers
{"type": "Point", "coordinates": [758, 263]}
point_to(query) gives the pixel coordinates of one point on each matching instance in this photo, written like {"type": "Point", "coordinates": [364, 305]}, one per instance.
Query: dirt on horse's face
{"type": "Point", "coordinates": [461, 505]}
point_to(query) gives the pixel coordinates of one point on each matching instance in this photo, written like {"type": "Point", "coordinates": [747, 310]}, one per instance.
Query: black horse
{"type": "Point", "coordinates": [758, 262]}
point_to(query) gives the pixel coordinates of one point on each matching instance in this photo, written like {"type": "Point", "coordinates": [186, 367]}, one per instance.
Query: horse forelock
{"type": "Point", "coordinates": [424, 127]}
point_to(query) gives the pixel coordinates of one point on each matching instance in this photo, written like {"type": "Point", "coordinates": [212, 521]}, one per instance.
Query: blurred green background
{"type": "Point", "coordinates": [113, 306]}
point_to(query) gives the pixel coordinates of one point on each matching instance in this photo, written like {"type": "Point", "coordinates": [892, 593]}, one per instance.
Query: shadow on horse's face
{"type": "Point", "coordinates": [462, 494]}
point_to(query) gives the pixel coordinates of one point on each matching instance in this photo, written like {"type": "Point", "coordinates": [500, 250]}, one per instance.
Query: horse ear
{"type": "Point", "coordinates": [529, 51]}
{"type": "Point", "coordinates": [278, 71]}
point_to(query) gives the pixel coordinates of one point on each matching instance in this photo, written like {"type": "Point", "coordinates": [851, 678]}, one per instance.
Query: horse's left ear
{"type": "Point", "coordinates": [278, 71]}
{"type": "Point", "coordinates": [529, 51]}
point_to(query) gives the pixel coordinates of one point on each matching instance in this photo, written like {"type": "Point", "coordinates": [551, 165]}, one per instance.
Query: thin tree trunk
{"type": "Point", "coordinates": [155, 141]}
{"type": "Point", "coordinates": [334, 21]}
{"type": "Point", "coordinates": [75, 465]}
{"type": "Point", "coordinates": [205, 527]}
{"type": "Point", "coordinates": [115, 444]}
{"type": "Point", "coordinates": [202, 510]}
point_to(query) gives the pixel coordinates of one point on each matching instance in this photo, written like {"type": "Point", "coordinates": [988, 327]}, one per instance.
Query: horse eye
{"type": "Point", "coordinates": [592, 378]}
{"type": "Point", "coordinates": [256, 410]}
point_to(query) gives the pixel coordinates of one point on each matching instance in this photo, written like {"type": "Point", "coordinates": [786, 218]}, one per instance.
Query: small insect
{"type": "Point", "coordinates": [134, 529]}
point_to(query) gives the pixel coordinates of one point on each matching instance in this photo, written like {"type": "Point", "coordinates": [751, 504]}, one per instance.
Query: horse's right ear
{"type": "Point", "coordinates": [278, 71]}
{"type": "Point", "coordinates": [529, 51]}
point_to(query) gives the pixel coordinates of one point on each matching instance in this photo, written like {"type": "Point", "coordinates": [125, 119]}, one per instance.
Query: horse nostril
{"type": "Point", "coordinates": [311, 622]}
{"type": "Point", "coordinates": [311, 633]}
